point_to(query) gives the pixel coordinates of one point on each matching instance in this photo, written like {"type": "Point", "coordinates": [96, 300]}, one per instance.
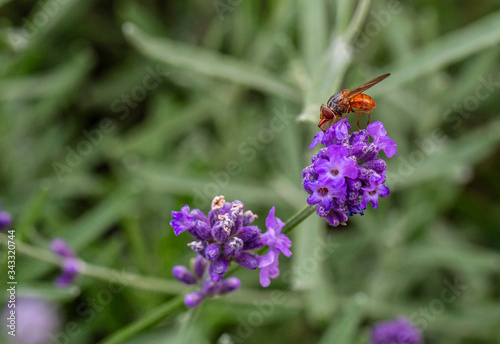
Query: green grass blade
{"type": "Point", "coordinates": [206, 62]}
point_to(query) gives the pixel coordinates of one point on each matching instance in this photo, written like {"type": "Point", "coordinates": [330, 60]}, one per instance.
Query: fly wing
{"type": "Point", "coordinates": [366, 86]}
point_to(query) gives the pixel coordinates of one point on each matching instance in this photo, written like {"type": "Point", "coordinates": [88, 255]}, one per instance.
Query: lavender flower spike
{"type": "Point", "coordinates": [399, 331]}
{"type": "Point", "coordinates": [70, 263]}
{"type": "Point", "coordinates": [223, 236]}
{"type": "Point", "coordinates": [346, 174]}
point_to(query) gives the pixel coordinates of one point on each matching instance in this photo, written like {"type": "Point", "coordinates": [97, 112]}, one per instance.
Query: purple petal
{"type": "Point", "coordinates": [183, 275]}
{"type": "Point", "coordinates": [269, 267]}
{"type": "Point", "coordinates": [247, 260]}
{"type": "Point", "coordinates": [211, 288]}
{"type": "Point", "coordinates": [230, 284]}
{"type": "Point", "coordinates": [317, 139]}
{"type": "Point", "coordinates": [388, 146]}
{"type": "Point", "coordinates": [233, 247]}
{"type": "Point", "coordinates": [70, 271]}
{"type": "Point", "coordinates": [193, 299]}
{"type": "Point", "coordinates": [200, 265]}
{"type": "Point", "coordinates": [212, 251]}
{"type": "Point", "coordinates": [181, 220]}
{"type": "Point", "coordinates": [218, 268]}
{"type": "Point", "coordinates": [61, 248]}
{"type": "Point", "coordinates": [5, 220]}
{"type": "Point", "coordinates": [396, 331]}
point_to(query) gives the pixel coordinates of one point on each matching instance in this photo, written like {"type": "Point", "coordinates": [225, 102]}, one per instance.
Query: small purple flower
{"type": "Point", "coordinates": [193, 299]}
{"type": "Point", "coordinates": [37, 321]}
{"type": "Point", "coordinates": [378, 132]}
{"type": "Point", "coordinates": [183, 275]}
{"type": "Point", "coordinates": [70, 271]}
{"type": "Point", "coordinates": [268, 265]}
{"type": "Point", "coordinates": [273, 237]}
{"type": "Point", "coordinates": [336, 168]}
{"type": "Point", "coordinates": [208, 287]}
{"type": "Point", "coordinates": [317, 139]}
{"type": "Point", "coordinates": [5, 219]}
{"type": "Point", "coordinates": [70, 263]}
{"type": "Point", "coordinates": [371, 194]}
{"type": "Point", "coordinates": [181, 220]}
{"type": "Point", "coordinates": [346, 174]}
{"type": "Point", "coordinates": [62, 249]}
{"type": "Point", "coordinates": [399, 331]}
{"type": "Point", "coordinates": [226, 235]}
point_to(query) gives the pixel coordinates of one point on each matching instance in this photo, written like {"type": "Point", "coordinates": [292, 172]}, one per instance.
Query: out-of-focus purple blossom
{"type": "Point", "coordinates": [5, 219]}
{"type": "Point", "coordinates": [347, 174]}
{"type": "Point", "coordinates": [207, 286]}
{"type": "Point", "coordinates": [221, 237]}
{"type": "Point", "coordinates": [193, 299]}
{"type": "Point", "coordinates": [398, 331]}
{"type": "Point", "coordinates": [70, 262]}
{"type": "Point", "coordinates": [36, 320]}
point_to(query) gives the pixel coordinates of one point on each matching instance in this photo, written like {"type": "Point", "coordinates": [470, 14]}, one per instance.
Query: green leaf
{"type": "Point", "coordinates": [208, 63]}
{"type": "Point", "coordinates": [453, 47]}
{"type": "Point", "coordinates": [343, 330]}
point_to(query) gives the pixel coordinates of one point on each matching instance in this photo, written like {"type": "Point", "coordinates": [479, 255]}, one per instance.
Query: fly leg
{"type": "Point", "coordinates": [359, 117]}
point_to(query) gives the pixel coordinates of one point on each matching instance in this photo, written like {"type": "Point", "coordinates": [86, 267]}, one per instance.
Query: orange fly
{"type": "Point", "coordinates": [348, 101]}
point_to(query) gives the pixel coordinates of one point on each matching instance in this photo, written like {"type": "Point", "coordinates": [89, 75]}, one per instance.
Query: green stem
{"type": "Point", "coordinates": [115, 276]}
{"type": "Point", "coordinates": [145, 322]}
{"type": "Point", "coordinates": [186, 330]}
{"type": "Point", "coordinates": [296, 219]}
{"type": "Point", "coordinates": [357, 20]}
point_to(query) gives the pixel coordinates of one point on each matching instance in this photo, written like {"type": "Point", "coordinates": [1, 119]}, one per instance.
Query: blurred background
{"type": "Point", "coordinates": [113, 114]}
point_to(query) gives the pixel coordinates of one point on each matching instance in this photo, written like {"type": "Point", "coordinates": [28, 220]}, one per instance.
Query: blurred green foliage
{"type": "Point", "coordinates": [113, 114]}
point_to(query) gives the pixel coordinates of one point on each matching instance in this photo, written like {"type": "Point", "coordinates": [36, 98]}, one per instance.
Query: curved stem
{"type": "Point", "coordinates": [145, 322]}
{"type": "Point", "coordinates": [296, 219]}
{"type": "Point", "coordinates": [357, 20]}
{"type": "Point", "coordinates": [106, 274]}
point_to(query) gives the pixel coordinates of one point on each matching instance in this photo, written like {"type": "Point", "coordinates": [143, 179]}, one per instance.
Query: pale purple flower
{"type": "Point", "coordinates": [193, 299]}
{"type": "Point", "coordinates": [268, 265]}
{"type": "Point", "coordinates": [378, 132]}
{"type": "Point", "coordinates": [70, 263]}
{"type": "Point", "coordinates": [5, 219]}
{"type": "Point", "coordinates": [37, 320]}
{"type": "Point", "coordinates": [399, 331]}
{"type": "Point", "coordinates": [207, 287]}
{"type": "Point", "coordinates": [273, 237]}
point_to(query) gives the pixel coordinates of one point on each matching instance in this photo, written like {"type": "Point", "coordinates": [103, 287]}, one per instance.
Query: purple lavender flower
{"type": "Point", "coordinates": [70, 262]}
{"type": "Point", "coordinates": [398, 331]}
{"type": "Point", "coordinates": [5, 219]}
{"type": "Point", "coordinates": [223, 236]}
{"type": "Point", "coordinates": [207, 286]}
{"type": "Point", "coordinates": [37, 320]}
{"type": "Point", "coordinates": [346, 175]}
